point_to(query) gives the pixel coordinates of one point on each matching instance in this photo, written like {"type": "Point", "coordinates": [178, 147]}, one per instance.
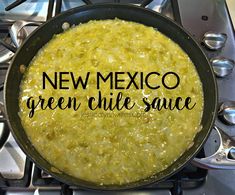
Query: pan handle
{"type": "Point", "coordinates": [4, 132]}
{"type": "Point", "coordinates": [223, 158]}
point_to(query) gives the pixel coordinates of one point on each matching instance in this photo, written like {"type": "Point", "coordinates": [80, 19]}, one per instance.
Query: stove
{"type": "Point", "coordinates": [211, 22]}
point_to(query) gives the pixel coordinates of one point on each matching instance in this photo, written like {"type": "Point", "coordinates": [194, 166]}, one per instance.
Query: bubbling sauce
{"type": "Point", "coordinates": [111, 147]}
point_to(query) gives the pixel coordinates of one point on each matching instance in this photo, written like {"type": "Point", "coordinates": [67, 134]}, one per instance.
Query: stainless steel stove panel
{"type": "Point", "coordinates": [217, 21]}
{"type": "Point", "coordinates": [36, 10]}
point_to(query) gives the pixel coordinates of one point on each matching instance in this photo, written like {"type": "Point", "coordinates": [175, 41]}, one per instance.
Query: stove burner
{"type": "Point", "coordinates": [11, 39]}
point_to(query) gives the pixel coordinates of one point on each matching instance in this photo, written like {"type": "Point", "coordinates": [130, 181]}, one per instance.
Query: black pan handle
{"type": "Point", "coordinates": [4, 132]}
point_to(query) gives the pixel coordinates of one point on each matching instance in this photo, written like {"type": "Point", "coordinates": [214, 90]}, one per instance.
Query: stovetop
{"type": "Point", "coordinates": [201, 18]}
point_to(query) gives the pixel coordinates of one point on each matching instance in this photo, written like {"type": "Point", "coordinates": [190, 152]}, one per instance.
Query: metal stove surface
{"type": "Point", "coordinates": [36, 10]}
{"type": "Point", "coordinates": [198, 17]}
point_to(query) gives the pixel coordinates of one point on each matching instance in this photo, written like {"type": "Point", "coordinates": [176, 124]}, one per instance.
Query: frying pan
{"type": "Point", "coordinates": [101, 12]}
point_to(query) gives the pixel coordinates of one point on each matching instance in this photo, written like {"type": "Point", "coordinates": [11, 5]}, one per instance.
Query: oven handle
{"type": "Point", "coordinates": [5, 131]}
{"type": "Point", "coordinates": [223, 158]}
